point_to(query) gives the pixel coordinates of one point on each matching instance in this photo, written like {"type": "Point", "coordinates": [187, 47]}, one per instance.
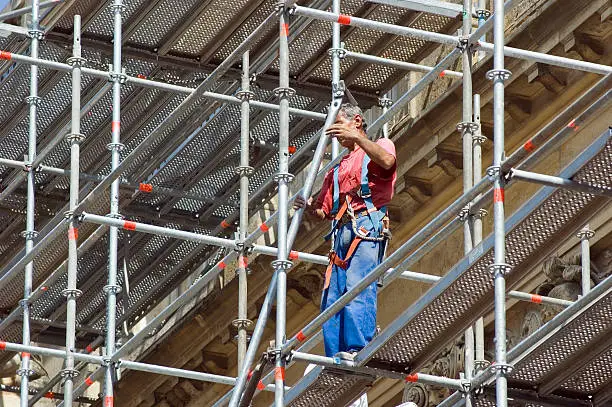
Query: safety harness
{"type": "Point", "coordinates": [376, 215]}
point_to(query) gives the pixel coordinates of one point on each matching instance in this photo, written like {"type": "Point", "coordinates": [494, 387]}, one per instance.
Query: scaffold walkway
{"type": "Point", "coordinates": [466, 291]}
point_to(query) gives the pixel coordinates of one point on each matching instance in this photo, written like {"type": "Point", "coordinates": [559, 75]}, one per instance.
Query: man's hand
{"type": "Point", "coordinates": [300, 202]}
{"type": "Point", "coordinates": [344, 133]}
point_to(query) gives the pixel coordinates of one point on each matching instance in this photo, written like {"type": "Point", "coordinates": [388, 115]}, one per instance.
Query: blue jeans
{"type": "Point", "coordinates": [355, 325]}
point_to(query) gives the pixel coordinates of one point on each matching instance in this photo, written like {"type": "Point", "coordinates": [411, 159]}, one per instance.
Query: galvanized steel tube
{"type": "Point", "coordinates": [30, 234]}
{"type": "Point", "coordinates": [71, 293]}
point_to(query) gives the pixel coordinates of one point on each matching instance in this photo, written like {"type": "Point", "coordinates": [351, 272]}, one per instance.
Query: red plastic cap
{"type": "Point", "coordinates": [264, 228]}
{"type": "Point", "coordinates": [344, 19]}
{"type": "Point", "coordinates": [412, 378]}
{"type": "Point", "coordinates": [147, 188]}
{"type": "Point", "coordinates": [293, 255]}
{"type": "Point", "coordinates": [6, 55]}
{"type": "Point", "coordinates": [127, 225]}
{"type": "Point", "coordinates": [300, 336]}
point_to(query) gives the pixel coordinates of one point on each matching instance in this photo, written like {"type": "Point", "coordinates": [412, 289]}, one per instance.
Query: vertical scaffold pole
{"type": "Point", "coordinates": [499, 268]}
{"type": "Point", "coordinates": [112, 288]}
{"type": "Point", "coordinates": [466, 127]}
{"type": "Point", "coordinates": [483, 14]}
{"type": "Point", "coordinates": [478, 139]}
{"type": "Point", "coordinates": [336, 53]}
{"type": "Point", "coordinates": [74, 138]}
{"type": "Point", "coordinates": [245, 171]}
{"type": "Point", "coordinates": [30, 234]}
{"type": "Point", "coordinates": [585, 235]}
{"type": "Point", "coordinates": [282, 263]}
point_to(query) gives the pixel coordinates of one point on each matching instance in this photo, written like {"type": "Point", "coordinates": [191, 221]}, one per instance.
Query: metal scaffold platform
{"type": "Point", "coordinates": [152, 130]}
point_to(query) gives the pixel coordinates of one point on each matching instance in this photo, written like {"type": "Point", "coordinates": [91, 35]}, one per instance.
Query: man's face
{"type": "Point", "coordinates": [353, 125]}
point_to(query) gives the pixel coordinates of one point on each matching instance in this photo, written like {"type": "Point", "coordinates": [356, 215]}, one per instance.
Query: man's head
{"type": "Point", "coordinates": [351, 116]}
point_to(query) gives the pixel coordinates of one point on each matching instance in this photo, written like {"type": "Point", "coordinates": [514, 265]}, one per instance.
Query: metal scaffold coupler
{"type": "Point", "coordinates": [284, 93]}
{"type": "Point", "coordinates": [242, 323]}
{"type": "Point", "coordinates": [385, 102]}
{"type": "Point", "coordinates": [478, 139]}
{"type": "Point", "coordinates": [493, 172]}
{"type": "Point", "coordinates": [25, 372]}
{"type": "Point", "coordinates": [338, 89]}
{"type": "Point", "coordinates": [115, 289]}
{"type": "Point", "coordinates": [498, 74]}
{"type": "Point", "coordinates": [113, 76]}
{"type": "Point", "coordinates": [24, 303]}
{"type": "Point", "coordinates": [463, 43]}
{"type": "Point", "coordinates": [465, 212]}
{"type": "Point", "coordinates": [482, 13]}
{"type": "Point", "coordinates": [245, 95]}
{"type": "Point", "coordinates": [114, 215]}
{"type": "Point", "coordinates": [502, 269]}
{"type": "Point", "coordinates": [340, 52]}
{"type": "Point", "coordinates": [36, 32]}
{"type": "Point", "coordinates": [74, 138]}
{"type": "Point", "coordinates": [115, 146]}
{"type": "Point", "coordinates": [245, 170]}
{"type": "Point", "coordinates": [76, 293]}
{"type": "Point", "coordinates": [282, 264]}
{"type": "Point", "coordinates": [585, 234]}
{"type": "Point", "coordinates": [481, 365]}
{"type": "Point", "coordinates": [288, 5]}
{"type": "Point", "coordinates": [69, 373]}
{"type": "Point", "coordinates": [29, 234]}
{"type": "Point", "coordinates": [283, 176]}
{"type": "Point", "coordinates": [33, 100]}
{"type": "Point", "coordinates": [504, 368]}
{"type": "Point", "coordinates": [76, 62]}
{"type": "Point", "coordinates": [471, 127]}
{"type": "Point", "coordinates": [117, 7]}
{"type": "Point", "coordinates": [480, 213]}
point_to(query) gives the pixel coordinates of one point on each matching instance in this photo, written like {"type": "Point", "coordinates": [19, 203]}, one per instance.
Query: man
{"type": "Point", "coordinates": [354, 196]}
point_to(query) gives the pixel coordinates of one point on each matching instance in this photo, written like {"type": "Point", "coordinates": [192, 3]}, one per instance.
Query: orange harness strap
{"type": "Point", "coordinates": [343, 264]}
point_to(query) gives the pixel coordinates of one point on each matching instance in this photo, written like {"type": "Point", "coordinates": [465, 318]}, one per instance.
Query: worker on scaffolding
{"type": "Point", "coordinates": [354, 197]}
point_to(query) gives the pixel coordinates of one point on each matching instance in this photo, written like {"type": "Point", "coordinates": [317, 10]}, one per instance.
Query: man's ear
{"type": "Point", "coordinates": [358, 121]}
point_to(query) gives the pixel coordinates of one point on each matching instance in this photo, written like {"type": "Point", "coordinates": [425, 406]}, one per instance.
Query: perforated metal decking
{"type": "Point", "coordinates": [466, 291]}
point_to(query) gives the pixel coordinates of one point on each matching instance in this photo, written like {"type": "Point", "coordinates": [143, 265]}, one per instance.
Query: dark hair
{"type": "Point", "coordinates": [349, 111]}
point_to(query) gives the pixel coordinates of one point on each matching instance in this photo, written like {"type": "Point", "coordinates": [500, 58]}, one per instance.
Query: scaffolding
{"type": "Point", "coordinates": [411, 340]}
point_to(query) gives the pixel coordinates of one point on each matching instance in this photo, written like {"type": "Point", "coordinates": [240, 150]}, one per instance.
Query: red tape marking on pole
{"type": "Point", "coordinates": [573, 125]}
{"type": "Point", "coordinates": [222, 265]}
{"type": "Point", "coordinates": [442, 74]}
{"type": "Point", "coordinates": [224, 224]}
{"type": "Point", "coordinates": [108, 401]}
{"type": "Point", "coordinates": [141, 76]}
{"type": "Point", "coordinates": [242, 262]}
{"type": "Point", "coordinates": [2, 345]}
{"type": "Point", "coordinates": [264, 228]}
{"type": "Point", "coordinates": [412, 378]}
{"type": "Point", "coordinates": [529, 146]}
{"type": "Point", "coordinates": [88, 381]}
{"type": "Point", "coordinates": [127, 225]}
{"type": "Point", "coordinates": [145, 188]}
{"type": "Point", "coordinates": [49, 395]}
{"type": "Point", "coordinates": [293, 255]}
{"type": "Point", "coordinates": [536, 298]}
{"type": "Point", "coordinates": [6, 55]}
{"type": "Point", "coordinates": [344, 19]}
{"type": "Point", "coordinates": [292, 149]}
{"type": "Point", "coordinates": [89, 349]}
{"type": "Point", "coordinates": [44, 288]}
{"type": "Point", "coordinates": [498, 195]}
{"type": "Point", "coordinates": [73, 233]}
{"type": "Point", "coordinates": [115, 126]}
{"type": "Point", "coordinates": [25, 355]}
{"type": "Point", "coordinates": [284, 30]}
{"type": "Point", "coordinates": [279, 373]}
{"type": "Point", "coordinates": [300, 336]}
{"type": "Point", "coordinates": [260, 386]}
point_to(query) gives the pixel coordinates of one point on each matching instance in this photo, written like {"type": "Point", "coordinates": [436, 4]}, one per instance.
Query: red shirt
{"type": "Point", "coordinates": [381, 181]}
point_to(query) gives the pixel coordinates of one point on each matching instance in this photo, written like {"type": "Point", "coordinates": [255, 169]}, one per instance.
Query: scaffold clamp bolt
{"type": "Point", "coordinates": [340, 52]}
{"type": "Point", "coordinates": [465, 212]}
{"type": "Point", "coordinates": [245, 95]}
{"type": "Point", "coordinates": [585, 234]}
{"type": "Point", "coordinates": [283, 176]}
{"type": "Point", "coordinates": [284, 93]}
{"type": "Point", "coordinates": [498, 74]}
{"type": "Point", "coordinates": [72, 293]}
{"type": "Point", "coordinates": [502, 269]}
{"type": "Point", "coordinates": [245, 170]}
{"type": "Point", "coordinates": [467, 126]}
{"type": "Point", "coordinates": [282, 264]}
{"type": "Point", "coordinates": [114, 289]}
{"type": "Point", "coordinates": [71, 373]}
{"type": "Point", "coordinates": [493, 172]}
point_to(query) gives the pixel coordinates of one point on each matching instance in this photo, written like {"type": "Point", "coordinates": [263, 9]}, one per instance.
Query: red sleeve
{"type": "Point", "coordinates": [324, 200]}
{"type": "Point", "coordinates": [377, 169]}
